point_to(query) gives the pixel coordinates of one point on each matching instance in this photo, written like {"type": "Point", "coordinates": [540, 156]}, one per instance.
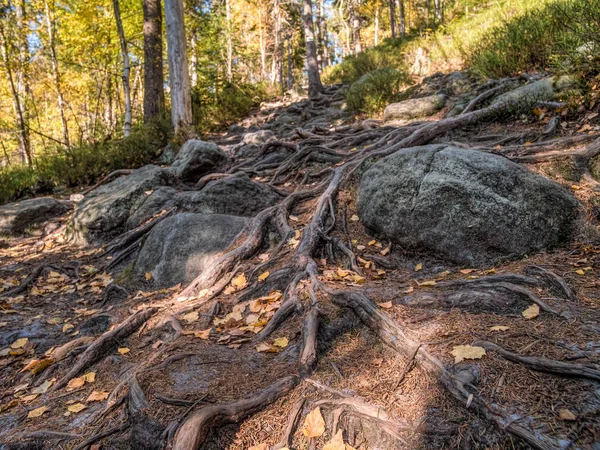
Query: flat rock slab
{"type": "Point", "coordinates": [237, 196]}
{"type": "Point", "coordinates": [183, 246]}
{"type": "Point", "coordinates": [18, 216]}
{"type": "Point", "coordinates": [106, 210]}
{"type": "Point", "coordinates": [415, 107]}
{"type": "Point", "coordinates": [538, 91]}
{"type": "Point", "coordinates": [197, 158]}
{"type": "Point", "coordinates": [467, 206]}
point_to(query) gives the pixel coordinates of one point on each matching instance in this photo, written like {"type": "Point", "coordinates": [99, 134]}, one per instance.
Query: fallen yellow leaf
{"type": "Point", "coordinates": [191, 316]}
{"type": "Point", "coordinates": [385, 305]}
{"type": "Point", "coordinates": [239, 281]}
{"type": "Point", "coordinates": [37, 412]}
{"type": "Point", "coordinates": [566, 414]}
{"type": "Point", "coordinates": [19, 343]}
{"type": "Point", "coordinates": [532, 312]}
{"type": "Point", "coordinates": [67, 326]}
{"type": "Point", "coordinates": [123, 350]}
{"type": "Point", "coordinates": [354, 218]}
{"type": "Point", "coordinates": [76, 407]}
{"type": "Point", "coordinates": [499, 328]}
{"type": "Point", "coordinates": [462, 352]}
{"type": "Point", "coordinates": [148, 276]}
{"type": "Point", "coordinates": [203, 334]}
{"type": "Point", "coordinates": [90, 377]}
{"type": "Point", "coordinates": [263, 347]}
{"type": "Point", "coordinates": [263, 276]}
{"type": "Point", "coordinates": [259, 447]}
{"type": "Point", "coordinates": [427, 283]}
{"type": "Point", "coordinates": [75, 383]}
{"type": "Point", "coordinates": [314, 425]}
{"type": "Point", "coordinates": [281, 342]}
{"type": "Point", "coordinates": [418, 267]}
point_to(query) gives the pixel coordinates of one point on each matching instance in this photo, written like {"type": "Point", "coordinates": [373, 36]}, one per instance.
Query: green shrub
{"type": "Point", "coordinates": [375, 90]}
{"type": "Point", "coordinates": [85, 164]}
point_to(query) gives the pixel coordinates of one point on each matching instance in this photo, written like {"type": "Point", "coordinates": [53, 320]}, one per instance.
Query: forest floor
{"type": "Point", "coordinates": [387, 373]}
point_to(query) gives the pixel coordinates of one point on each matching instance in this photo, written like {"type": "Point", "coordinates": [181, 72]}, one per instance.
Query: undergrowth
{"type": "Point", "coordinates": [85, 164]}
{"type": "Point", "coordinates": [375, 90]}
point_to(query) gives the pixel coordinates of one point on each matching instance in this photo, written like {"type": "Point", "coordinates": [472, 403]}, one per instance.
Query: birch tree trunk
{"type": "Point", "coordinates": [126, 69]}
{"type": "Point", "coordinates": [355, 22]}
{"type": "Point", "coordinates": [315, 88]}
{"type": "Point", "coordinates": [59, 95]}
{"type": "Point", "coordinates": [229, 41]}
{"type": "Point", "coordinates": [179, 77]}
{"type": "Point", "coordinates": [376, 33]}
{"type": "Point", "coordinates": [278, 45]}
{"type": "Point", "coordinates": [154, 94]}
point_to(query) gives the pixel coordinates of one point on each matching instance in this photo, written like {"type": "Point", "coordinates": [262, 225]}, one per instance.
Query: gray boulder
{"type": "Point", "coordinates": [237, 196]}
{"type": "Point", "coordinates": [457, 83]}
{"type": "Point", "coordinates": [467, 206]}
{"type": "Point", "coordinates": [183, 246]}
{"type": "Point", "coordinates": [542, 90]}
{"type": "Point", "coordinates": [156, 201]}
{"type": "Point", "coordinates": [106, 210]}
{"type": "Point", "coordinates": [197, 158]}
{"type": "Point", "coordinates": [258, 137]}
{"type": "Point", "coordinates": [415, 107]}
{"type": "Point", "coordinates": [16, 217]}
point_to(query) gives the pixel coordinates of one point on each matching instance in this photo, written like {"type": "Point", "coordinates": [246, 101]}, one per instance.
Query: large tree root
{"type": "Point", "coordinates": [195, 429]}
{"type": "Point", "coordinates": [392, 335]}
{"type": "Point", "coordinates": [104, 343]}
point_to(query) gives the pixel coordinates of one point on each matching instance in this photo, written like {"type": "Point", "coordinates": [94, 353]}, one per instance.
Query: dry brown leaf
{"type": "Point", "coordinates": [37, 412]}
{"type": "Point", "coordinates": [148, 276]}
{"type": "Point", "coordinates": [97, 396]}
{"type": "Point", "coordinates": [462, 352]}
{"type": "Point", "coordinates": [336, 442]}
{"type": "Point", "coordinates": [314, 425]}
{"type": "Point", "coordinates": [385, 305]}
{"type": "Point", "coordinates": [263, 347]}
{"type": "Point", "coordinates": [466, 271]}
{"type": "Point", "coordinates": [566, 414]}
{"type": "Point", "coordinates": [259, 447]}
{"type": "Point", "coordinates": [123, 350]}
{"type": "Point", "coordinates": [499, 328]}
{"type": "Point", "coordinates": [43, 388]}
{"type": "Point", "coordinates": [409, 290]}
{"type": "Point", "coordinates": [427, 283]}
{"type": "Point", "coordinates": [191, 316]}
{"type": "Point", "coordinates": [37, 365]}
{"type": "Point", "coordinates": [418, 267]}
{"type": "Point", "coordinates": [203, 334]}
{"type": "Point", "coordinates": [90, 377]}
{"type": "Point", "coordinates": [532, 312]}
{"type": "Point", "coordinates": [67, 326]}
{"type": "Point", "coordinates": [75, 383]}
{"type": "Point", "coordinates": [354, 218]}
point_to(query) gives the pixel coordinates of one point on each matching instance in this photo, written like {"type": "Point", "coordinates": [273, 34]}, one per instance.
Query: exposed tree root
{"type": "Point", "coordinates": [195, 429]}
{"type": "Point", "coordinates": [104, 343]}
{"type": "Point", "coordinates": [294, 416]}
{"type": "Point", "coordinates": [544, 364]}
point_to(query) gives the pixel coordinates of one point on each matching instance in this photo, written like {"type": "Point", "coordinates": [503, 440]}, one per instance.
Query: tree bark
{"type": "Point", "coordinates": [355, 23]}
{"type": "Point", "coordinates": [290, 63]}
{"type": "Point", "coordinates": [393, 17]}
{"type": "Point", "coordinates": [126, 69]}
{"type": "Point", "coordinates": [179, 77]}
{"type": "Point", "coordinates": [59, 95]}
{"type": "Point", "coordinates": [315, 88]}
{"type": "Point", "coordinates": [229, 41]}
{"type": "Point", "coordinates": [402, 22]}
{"type": "Point", "coordinates": [278, 46]}
{"type": "Point", "coordinates": [376, 33]}
{"type": "Point", "coordinates": [154, 95]}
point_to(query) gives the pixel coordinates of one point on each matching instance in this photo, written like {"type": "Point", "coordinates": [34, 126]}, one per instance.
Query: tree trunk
{"type": "Point", "coordinates": [355, 19]}
{"type": "Point", "coordinates": [439, 15]}
{"type": "Point", "coordinates": [261, 42]}
{"type": "Point", "coordinates": [229, 41]}
{"type": "Point", "coordinates": [376, 33]}
{"type": "Point", "coordinates": [402, 18]}
{"type": "Point", "coordinates": [179, 77]}
{"type": "Point", "coordinates": [154, 95]}
{"type": "Point", "coordinates": [59, 95]}
{"type": "Point", "coordinates": [315, 88]}
{"type": "Point", "coordinates": [290, 63]}
{"type": "Point", "coordinates": [324, 33]}
{"type": "Point", "coordinates": [278, 46]}
{"type": "Point", "coordinates": [126, 69]}
{"type": "Point", "coordinates": [393, 17]}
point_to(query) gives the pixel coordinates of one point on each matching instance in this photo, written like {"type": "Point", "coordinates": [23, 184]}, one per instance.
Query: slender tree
{"type": "Point", "coordinates": [154, 95]}
{"type": "Point", "coordinates": [355, 24]}
{"type": "Point", "coordinates": [126, 69]}
{"type": "Point", "coordinates": [402, 22]}
{"type": "Point", "coordinates": [55, 70]}
{"type": "Point", "coordinates": [179, 77]}
{"type": "Point", "coordinates": [393, 17]}
{"type": "Point", "coordinates": [314, 80]}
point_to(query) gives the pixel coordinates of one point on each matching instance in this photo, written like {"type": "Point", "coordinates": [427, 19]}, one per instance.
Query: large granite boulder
{"type": "Point", "coordinates": [106, 210]}
{"type": "Point", "coordinates": [181, 247]}
{"type": "Point", "coordinates": [414, 107]}
{"type": "Point", "coordinates": [197, 158]}
{"type": "Point", "coordinates": [542, 90]}
{"type": "Point", "coordinates": [16, 217]}
{"type": "Point", "coordinates": [154, 202]}
{"type": "Point", "coordinates": [258, 137]}
{"type": "Point", "coordinates": [237, 195]}
{"type": "Point", "coordinates": [467, 206]}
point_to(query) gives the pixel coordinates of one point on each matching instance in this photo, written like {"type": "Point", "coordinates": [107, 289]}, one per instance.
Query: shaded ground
{"type": "Point", "coordinates": [153, 379]}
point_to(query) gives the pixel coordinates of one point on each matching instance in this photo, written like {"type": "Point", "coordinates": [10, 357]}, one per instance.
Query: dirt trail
{"type": "Point", "coordinates": [324, 315]}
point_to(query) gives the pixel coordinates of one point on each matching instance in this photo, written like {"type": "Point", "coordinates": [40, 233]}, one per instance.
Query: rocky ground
{"type": "Point", "coordinates": [309, 281]}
